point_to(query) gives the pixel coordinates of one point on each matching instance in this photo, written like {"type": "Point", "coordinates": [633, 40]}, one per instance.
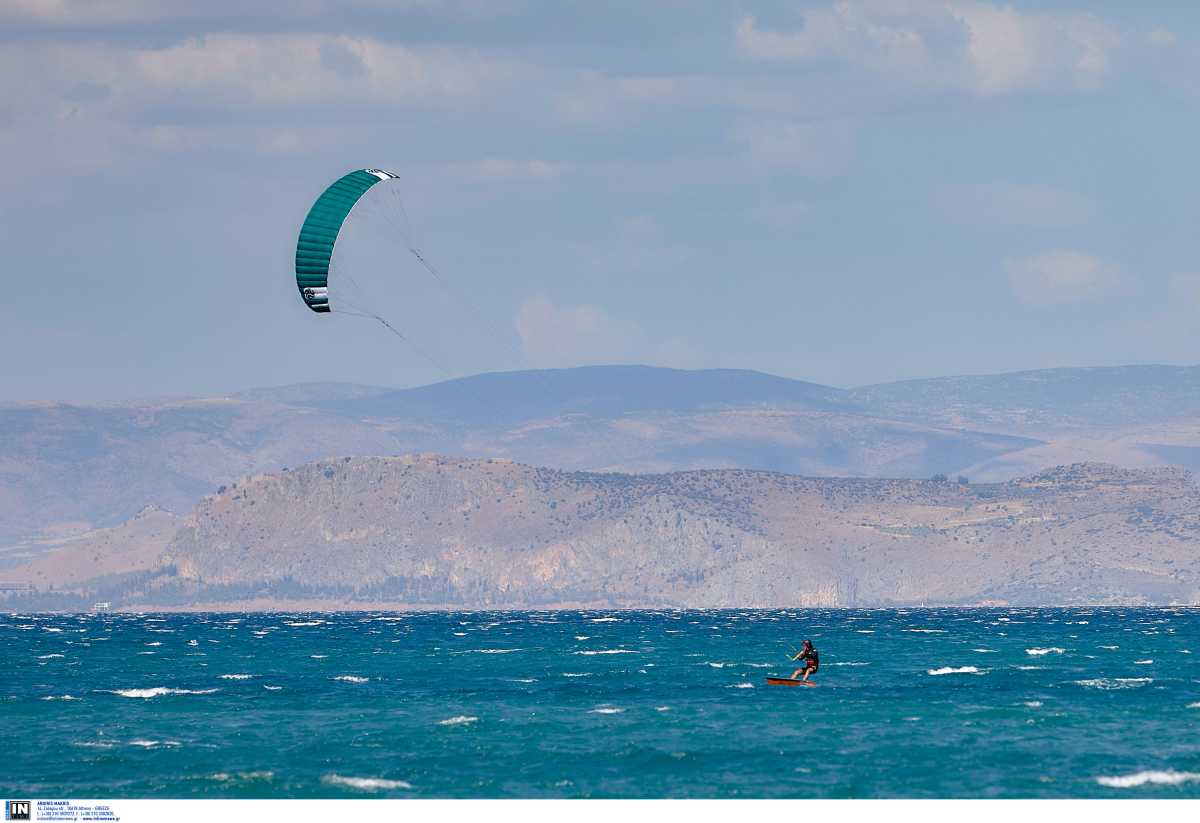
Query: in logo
{"type": "Point", "coordinates": [16, 810]}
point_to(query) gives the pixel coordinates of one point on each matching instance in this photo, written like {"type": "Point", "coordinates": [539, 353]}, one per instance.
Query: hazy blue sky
{"type": "Point", "coordinates": [847, 192]}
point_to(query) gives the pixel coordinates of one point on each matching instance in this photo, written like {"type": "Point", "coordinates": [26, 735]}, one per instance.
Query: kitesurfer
{"type": "Point", "coordinates": [811, 659]}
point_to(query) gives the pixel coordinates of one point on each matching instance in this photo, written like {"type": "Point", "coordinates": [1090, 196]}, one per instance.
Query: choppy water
{"type": "Point", "coordinates": [911, 703]}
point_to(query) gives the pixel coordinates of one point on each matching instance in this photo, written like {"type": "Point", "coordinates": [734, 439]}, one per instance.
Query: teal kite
{"type": "Point", "coordinates": [320, 231]}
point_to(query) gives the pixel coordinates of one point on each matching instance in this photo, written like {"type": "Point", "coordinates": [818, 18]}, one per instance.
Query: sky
{"type": "Point", "coordinates": [846, 192]}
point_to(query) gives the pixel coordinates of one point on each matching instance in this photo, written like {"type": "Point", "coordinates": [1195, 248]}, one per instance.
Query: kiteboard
{"type": "Point", "coordinates": [788, 681]}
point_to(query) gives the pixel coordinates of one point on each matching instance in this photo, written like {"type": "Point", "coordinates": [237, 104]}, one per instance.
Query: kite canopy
{"type": "Point", "coordinates": [320, 232]}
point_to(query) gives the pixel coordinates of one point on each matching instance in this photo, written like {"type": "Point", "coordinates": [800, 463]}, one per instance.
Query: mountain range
{"type": "Point", "coordinates": [68, 469]}
{"type": "Point", "coordinates": [430, 531]}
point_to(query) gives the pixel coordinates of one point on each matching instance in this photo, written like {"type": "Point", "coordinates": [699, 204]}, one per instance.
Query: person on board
{"type": "Point", "coordinates": [812, 661]}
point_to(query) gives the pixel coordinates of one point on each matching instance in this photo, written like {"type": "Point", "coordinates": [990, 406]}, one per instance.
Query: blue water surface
{"type": "Point", "coordinates": [911, 703]}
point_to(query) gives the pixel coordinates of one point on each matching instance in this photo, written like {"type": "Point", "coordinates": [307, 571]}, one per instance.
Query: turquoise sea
{"type": "Point", "coordinates": [1094, 702]}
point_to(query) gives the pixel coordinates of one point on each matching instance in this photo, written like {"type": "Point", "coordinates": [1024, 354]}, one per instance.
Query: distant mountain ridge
{"type": "Point", "coordinates": [436, 531]}
{"type": "Point", "coordinates": [67, 468]}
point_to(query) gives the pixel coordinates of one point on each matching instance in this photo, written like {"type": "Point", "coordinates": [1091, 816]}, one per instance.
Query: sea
{"type": "Point", "coordinates": [911, 703]}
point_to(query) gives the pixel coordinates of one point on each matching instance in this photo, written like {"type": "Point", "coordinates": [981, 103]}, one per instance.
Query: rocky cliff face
{"type": "Point", "coordinates": [436, 530]}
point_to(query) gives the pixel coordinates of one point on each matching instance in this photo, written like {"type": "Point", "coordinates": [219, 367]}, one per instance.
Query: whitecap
{"type": "Point", "coordinates": [49, 656]}
{"type": "Point", "coordinates": [1142, 662]}
{"type": "Point", "coordinates": [1048, 650]}
{"type": "Point", "coordinates": [959, 670]}
{"type": "Point", "coordinates": [236, 676]}
{"type": "Point", "coordinates": [60, 697]}
{"type": "Point", "coordinates": [225, 777]}
{"type": "Point", "coordinates": [662, 708]}
{"type": "Point", "coordinates": [155, 691]}
{"type": "Point", "coordinates": [576, 674]}
{"type": "Point", "coordinates": [741, 686]}
{"type": "Point", "coordinates": [352, 678]}
{"type": "Point", "coordinates": [153, 744]}
{"type": "Point", "coordinates": [606, 620]}
{"type": "Point", "coordinates": [849, 663]}
{"type": "Point", "coordinates": [318, 656]}
{"type": "Point", "coordinates": [609, 651]}
{"type": "Point", "coordinates": [926, 631]}
{"type": "Point", "coordinates": [367, 784]}
{"type": "Point", "coordinates": [494, 651]}
{"type": "Point", "coordinates": [1033, 704]}
{"type": "Point", "coordinates": [272, 688]}
{"type": "Point", "coordinates": [1157, 778]}
{"type": "Point", "coordinates": [1113, 683]}
{"type": "Point", "coordinates": [460, 720]}
{"type": "Point", "coordinates": [606, 710]}
{"type": "Point", "coordinates": [305, 623]}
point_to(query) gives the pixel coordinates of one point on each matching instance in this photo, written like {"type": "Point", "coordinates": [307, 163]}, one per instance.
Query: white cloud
{"type": "Point", "coordinates": [569, 335]}
{"type": "Point", "coordinates": [1010, 51]}
{"type": "Point", "coordinates": [65, 14]}
{"type": "Point", "coordinates": [984, 48]}
{"type": "Point", "coordinates": [1061, 276]}
{"type": "Point", "coordinates": [307, 69]}
{"type": "Point", "coordinates": [91, 105]}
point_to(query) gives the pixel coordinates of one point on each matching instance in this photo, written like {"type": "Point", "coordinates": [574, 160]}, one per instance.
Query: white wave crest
{"type": "Point", "coordinates": [1113, 683]}
{"type": "Point", "coordinates": [959, 670]}
{"type": "Point", "coordinates": [366, 784]}
{"type": "Point", "coordinates": [1157, 778]}
{"type": "Point", "coordinates": [1048, 650]}
{"type": "Point", "coordinates": [606, 710]}
{"type": "Point", "coordinates": [156, 691]}
{"type": "Point", "coordinates": [236, 676]}
{"type": "Point", "coordinates": [352, 678]}
{"type": "Point", "coordinates": [226, 777]}
{"type": "Point", "coordinates": [608, 651]}
{"type": "Point", "coordinates": [460, 720]}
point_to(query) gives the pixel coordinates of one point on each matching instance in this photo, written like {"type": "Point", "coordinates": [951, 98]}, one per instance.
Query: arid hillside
{"type": "Point", "coordinates": [428, 530]}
